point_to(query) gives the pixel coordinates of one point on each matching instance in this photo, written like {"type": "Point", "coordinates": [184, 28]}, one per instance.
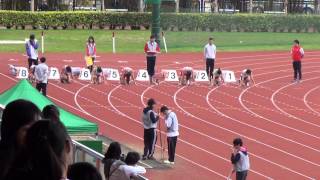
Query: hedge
{"type": "Point", "coordinates": [169, 21]}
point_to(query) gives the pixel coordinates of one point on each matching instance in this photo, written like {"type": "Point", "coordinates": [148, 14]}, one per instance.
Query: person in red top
{"type": "Point", "coordinates": [151, 49]}
{"type": "Point", "coordinates": [91, 50]}
{"type": "Point", "coordinates": [297, 54]}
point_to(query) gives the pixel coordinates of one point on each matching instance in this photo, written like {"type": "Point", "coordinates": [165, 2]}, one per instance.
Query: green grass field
{"type": "Point", "coordinates": [133, 41]}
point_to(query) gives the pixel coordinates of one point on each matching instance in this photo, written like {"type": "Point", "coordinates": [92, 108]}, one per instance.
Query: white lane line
{"type": "Point", "coordinates": [307, 103]}
{"type": "Point", "coordinates": [286, 113]}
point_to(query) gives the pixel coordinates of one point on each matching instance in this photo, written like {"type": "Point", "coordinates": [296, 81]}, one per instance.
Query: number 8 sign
{"type": "Point", "coordinates": [22, 73]}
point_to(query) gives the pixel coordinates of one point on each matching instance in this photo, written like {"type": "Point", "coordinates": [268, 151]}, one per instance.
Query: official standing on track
{"type": "Point", "coordinates": [240, 160]}
{"type": "Point", "coordinates": [32, 51]}
{"type": "Point", "coordinates": [41, 74]}
{"type": "Point", "coordinates": [172, 126]}
{"type": "Point", "coordinates": [210, 56]}
{"type": "Point", "coordinates": [151, 50]}
{"type": "Point", "coordinates": [150, 120]}
{"type": "Point", "coordinates": [297, 54]}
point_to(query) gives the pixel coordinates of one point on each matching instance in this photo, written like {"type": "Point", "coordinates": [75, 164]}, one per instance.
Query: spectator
{"type": "Point", "coordinates": [113, 166]}
{"type": "Point", "coordinates": [83, 171]}
{"type": "Point", "coordinates": [172, 126]}
{"type": "Point", "coordinates": [51, 112]}
{"type": "Point", "coordinates": [41, 73]}
{"type": "Point", "coordinates": [149, 119]}
{"type": "Point", "coordinates": [48, 153]}
{"type": "Point", "coordinates": [132, 170]}
{"type": "Point", "coordinates": [240, 159]}
{"type": "Point", "coordinates": [210, 55]}
{"type": "Point", "coordinates": [32, 50]}
{"type": "Point", "coordinates": [17, 117]}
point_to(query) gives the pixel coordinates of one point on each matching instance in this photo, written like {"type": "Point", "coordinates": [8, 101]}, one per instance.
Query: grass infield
{"type": "Point", "coordinates": [133, 41]}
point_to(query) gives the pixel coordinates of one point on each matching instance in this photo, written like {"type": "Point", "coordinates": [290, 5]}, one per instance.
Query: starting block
{"type": "Point", "coordinates": [170, 75]}
{"type": "Point", "coordinates": [22, 73]}
{"type": "Point", "coordinates": [200, 76]}
{"type": "Point", "coordinates": [54, 73]}
{"type": "Point", "coordinates": [142, 75]}
{"type": "Point", "coordinates": [85, 74]}
{"type": "Point", "coordinates": [111, 74]}
{"type": "Point", "coordinates": [228, 76]}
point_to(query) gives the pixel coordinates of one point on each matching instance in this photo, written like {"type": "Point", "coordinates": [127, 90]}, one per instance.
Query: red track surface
{"type": "Point", "coordinates": [278, 121]}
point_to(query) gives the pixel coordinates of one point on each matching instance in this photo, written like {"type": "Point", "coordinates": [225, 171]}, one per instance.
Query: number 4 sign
{"type": "Point", "coordinates": [85, 74]}
{"type": "Point", "coordinates": [54, 73]}
{"type": "Point", "coordinates": [142, 75]}
{"type": "Point", "coordinates": [200, 76]}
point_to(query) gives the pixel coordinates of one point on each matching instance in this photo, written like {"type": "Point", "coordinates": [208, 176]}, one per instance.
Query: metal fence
{"type": "Point", "coordinates": [84, 154]}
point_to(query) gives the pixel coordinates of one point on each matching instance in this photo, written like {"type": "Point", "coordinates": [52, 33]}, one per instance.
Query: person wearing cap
{"type": "Point", "coordinates": [172, 126]}
{"type": "Point", "coordinates": [32, 51]}
{"type": "Point", "coordinates": [151, 49]}
{"type": "Point", "coordinates": [150, 120]}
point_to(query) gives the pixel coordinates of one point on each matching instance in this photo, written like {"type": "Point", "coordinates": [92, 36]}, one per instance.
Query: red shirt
{"type": "Point", "coordinates": [151, 48]}
{"type": "Point", "coordinates": [297, 53]}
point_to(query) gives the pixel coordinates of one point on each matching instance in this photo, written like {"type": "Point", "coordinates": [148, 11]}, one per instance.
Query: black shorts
{"type": "Point", "coordinates": [188, 74]}
{"type": "Point", "coordinates": [151, 62]}
{"type": "Point", "coordinates": [127, 76]}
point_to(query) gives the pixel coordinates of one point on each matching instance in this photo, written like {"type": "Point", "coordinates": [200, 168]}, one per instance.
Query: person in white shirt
{"type": "Point", "coordinates": [41, 74]}
{"type": "Point", "coordinates": [131, 169]}
{"type": "Point", "coordinates": [32, 50]}
{"type": "Point", "coordinates": [210, 57]}
{"type": "Point", "coordinates": [240, 160]}
{"type": "Point", "coordinates": [172, 125]}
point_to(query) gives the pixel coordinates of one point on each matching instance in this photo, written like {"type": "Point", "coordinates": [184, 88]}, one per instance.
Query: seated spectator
{"type": "Point", "coordinates": [48, 151]}
{"type": "Point", "coordinates": [17, 117]}
{"type": "Point", "coordinates": [83, 171]}
{"type": "Point", "coordinates": [132, 169]}
{"type": "Point", "coordinates": [113, 166]}
{"type": "Point", "coordinates": [51, 112]}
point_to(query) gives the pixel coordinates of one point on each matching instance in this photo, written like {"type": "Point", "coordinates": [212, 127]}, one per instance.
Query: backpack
{"type": "Point", "coordinates": [115, 172]}
{"type": "Point", "coordinates": [146, 119]}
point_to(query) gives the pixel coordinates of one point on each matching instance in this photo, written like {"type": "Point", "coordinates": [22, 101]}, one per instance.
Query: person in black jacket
{"type": "Point", "coordinates": [150, 120]}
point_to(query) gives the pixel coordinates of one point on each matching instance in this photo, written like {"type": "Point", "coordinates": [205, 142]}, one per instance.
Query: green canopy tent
{"type": "Point", "coordinates": [24, 90]}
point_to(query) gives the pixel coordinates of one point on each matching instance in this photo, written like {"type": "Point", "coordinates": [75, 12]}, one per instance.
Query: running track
{"type": "Point", "coordinates": [278, 120]}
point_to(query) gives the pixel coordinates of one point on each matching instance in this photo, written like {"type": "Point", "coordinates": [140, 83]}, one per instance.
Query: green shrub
{"type": "Point", "coordinates": [169, 21]}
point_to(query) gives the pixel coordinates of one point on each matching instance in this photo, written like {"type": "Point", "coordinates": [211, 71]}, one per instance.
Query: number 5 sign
{"type": "Point", "coordinates": [112, 74]}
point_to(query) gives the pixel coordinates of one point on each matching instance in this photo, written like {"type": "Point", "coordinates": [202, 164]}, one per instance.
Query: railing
{"type": "Point", "coordinates": [82, 153]}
